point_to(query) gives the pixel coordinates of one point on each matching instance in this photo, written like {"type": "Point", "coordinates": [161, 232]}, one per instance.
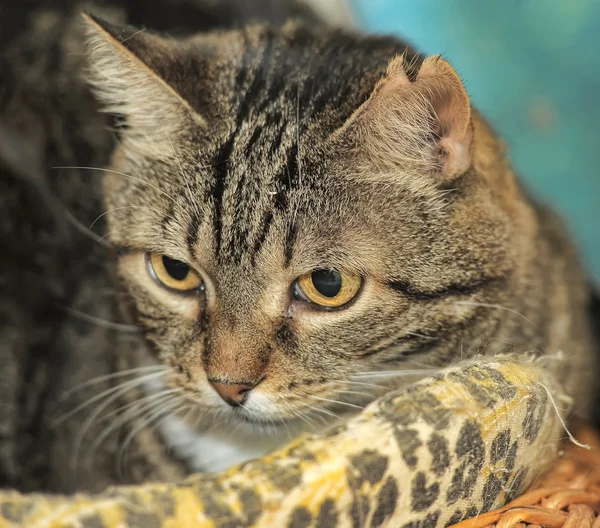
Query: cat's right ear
{"type": "Point", "coordinates": [130, 72]}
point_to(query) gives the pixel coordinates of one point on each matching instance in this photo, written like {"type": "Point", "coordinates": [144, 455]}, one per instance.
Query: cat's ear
{"type": "Point", "coordinates": [130, 72]}
{"type": "Point", "coordinates": [422, 124]}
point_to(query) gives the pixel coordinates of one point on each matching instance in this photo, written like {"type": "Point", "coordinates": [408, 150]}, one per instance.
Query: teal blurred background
{"type": "Point", "coordinates": [533, 68]}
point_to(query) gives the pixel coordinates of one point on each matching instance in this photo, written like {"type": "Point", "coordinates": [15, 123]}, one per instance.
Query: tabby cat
{"type": "Point", "coordinates": [222, 234]}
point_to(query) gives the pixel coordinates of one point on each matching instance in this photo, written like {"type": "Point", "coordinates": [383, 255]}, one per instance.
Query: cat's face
{"type": "Point", "coordinates": [287, 224]}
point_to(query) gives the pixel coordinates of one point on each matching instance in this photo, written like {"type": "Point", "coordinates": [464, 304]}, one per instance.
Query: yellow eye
{"type": "Point", "coordinates": [172, 273]}
{"type": "Point", "coordinates": [327, 287]}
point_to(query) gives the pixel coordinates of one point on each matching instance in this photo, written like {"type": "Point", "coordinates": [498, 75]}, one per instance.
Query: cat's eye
{"type": "Point", "coordinates": [172, 273]}
{"type": "Point", "coordinates": [329, 288]}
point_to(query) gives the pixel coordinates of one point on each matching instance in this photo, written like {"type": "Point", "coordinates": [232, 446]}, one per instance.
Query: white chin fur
{"type": "Point", "coordinates": [226, 439]}
{"type": "Point", "coordinates": [216, 449]}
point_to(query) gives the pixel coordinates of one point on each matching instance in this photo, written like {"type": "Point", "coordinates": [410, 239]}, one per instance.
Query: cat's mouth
{"type": "Point", "coordinates": [275, 423]}
{"type": "Point", "coordinates": [266, 424]}
{"type": "Point", "coordinates": [252, 419]}
{"type": "Point", "coordinates": [263, 421]}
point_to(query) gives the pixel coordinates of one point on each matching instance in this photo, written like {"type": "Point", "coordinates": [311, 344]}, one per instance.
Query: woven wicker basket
{"type": "Point", "coordinates": [567, 496]}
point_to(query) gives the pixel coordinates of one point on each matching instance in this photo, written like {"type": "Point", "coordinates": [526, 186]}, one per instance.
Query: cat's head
{"type": "Point", "coordinates": [295, 209]}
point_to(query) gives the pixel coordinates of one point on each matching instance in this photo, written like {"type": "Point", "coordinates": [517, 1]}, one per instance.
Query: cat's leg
{"type": "Point", "coordinates": [446, 448]}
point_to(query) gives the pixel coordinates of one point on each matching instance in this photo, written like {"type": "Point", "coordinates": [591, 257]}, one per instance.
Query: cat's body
{"type": "Point", "coordinates": [258, 167]}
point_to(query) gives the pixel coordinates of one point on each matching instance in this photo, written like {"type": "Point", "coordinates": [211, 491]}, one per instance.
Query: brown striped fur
{"type": "Point", "coordinates": [261, 196]}
{"type": "Point", "coordinates": [239, 154]}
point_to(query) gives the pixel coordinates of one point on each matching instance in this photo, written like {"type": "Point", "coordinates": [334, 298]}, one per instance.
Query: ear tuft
{"type": "Point", "coordinates": [127, 71]}
{"type": "Point", "coordinates": [422, 125]}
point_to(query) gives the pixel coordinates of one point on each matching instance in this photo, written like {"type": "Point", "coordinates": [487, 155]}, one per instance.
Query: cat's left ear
{"type": "Point", "coordinates": [132, 74]}
{"type": "Point", "coordinates": [422, 125]}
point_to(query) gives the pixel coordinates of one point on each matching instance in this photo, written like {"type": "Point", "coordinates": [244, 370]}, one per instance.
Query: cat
{"type": "Point", "coordinates": [294, 218]}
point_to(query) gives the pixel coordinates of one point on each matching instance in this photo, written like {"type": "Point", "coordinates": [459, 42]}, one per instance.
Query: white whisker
{"type": "Point", "coordinates": [121, 174]}
{"type": "Point", "coordinates": [363, 384]}
{"type": "Point", "coordinates": [158, 414]}
{"type": "Point", "coordinates": [385, 373]}
{"type": "Point", "coordinates": [189, 192]}
{"type": "Point", "coordinates": [298, 160]}
{"type": "Point", "coordinates": [85, 230]}
{"type": "Point", "coordinates": [496, 306]}
{"type": "Point", "coordinates": [110, 211]}
{"type": "Point", "coordinates": [335, 401]}
{"type": "Point", "coordinates": [200, 415]}
{"type": "Point", "coordinates": [192, 407]}
{"type": "Point", "coordinates": [138, 407]}
{"type": "Point", "coordinates": [111, 325]}
{"type": "Point", "coordinates": [304, 418]}
{"type": "Point", "coordinates": [107, 234]}
{"type": "Point", "coordinates": [357, 393]}
{"type": "Point", "coordinates": [90, 420]}
{"type": "Point", "coordinates": [131, 384]}
{"type": "Point", "coordinates": [324, 411]}
{"type": "Point", "coordinates": [140, 403]}
{"type": "Point", "coordinates": [106, 377]}
{"type": "Point", "coordinates": [419, 335]}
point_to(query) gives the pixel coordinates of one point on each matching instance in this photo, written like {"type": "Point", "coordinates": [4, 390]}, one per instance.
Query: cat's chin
{"type": "Point", "coordinates": [262, 426]}
{"type": "Point", "coordinates": [254, 422]}
{"type": "Point", "coordinates": [217, 447]}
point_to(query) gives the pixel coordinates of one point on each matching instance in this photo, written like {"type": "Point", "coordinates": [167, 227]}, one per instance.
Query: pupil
{"type": "Point", "coordinates": [177, 269]}
{"type": "Point", "coordinates": [327, 282]}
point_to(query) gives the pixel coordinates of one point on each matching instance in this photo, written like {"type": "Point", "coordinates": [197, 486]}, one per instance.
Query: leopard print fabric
{"type": "Point", "coordinates": [445, 449]}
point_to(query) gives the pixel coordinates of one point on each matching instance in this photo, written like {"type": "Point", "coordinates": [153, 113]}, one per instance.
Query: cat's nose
{"type": "Point", "coordinates": [235, 394]}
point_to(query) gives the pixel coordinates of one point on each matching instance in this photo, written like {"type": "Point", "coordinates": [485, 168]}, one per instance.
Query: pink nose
{"type": "Point", "coordinates": [235, 394]}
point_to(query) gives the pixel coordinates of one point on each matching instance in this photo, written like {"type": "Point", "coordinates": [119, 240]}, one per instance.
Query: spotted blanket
{"type": "Point", "coordinates": [448, 447]}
